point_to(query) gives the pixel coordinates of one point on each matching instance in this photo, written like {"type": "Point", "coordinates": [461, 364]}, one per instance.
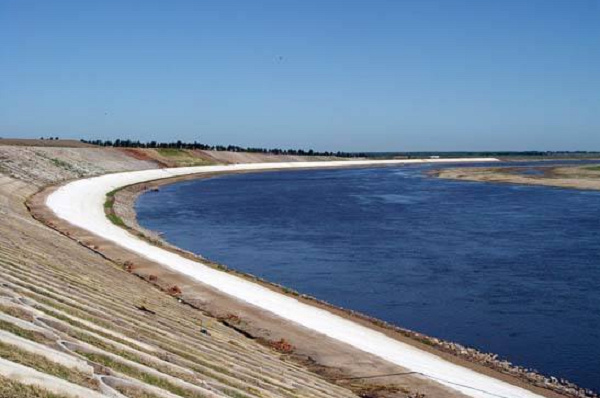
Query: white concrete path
{"type": "Point", "coordinates": [81, 203]}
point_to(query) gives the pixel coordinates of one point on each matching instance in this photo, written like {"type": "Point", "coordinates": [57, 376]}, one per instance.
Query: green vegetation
{"type": "Point", "coordinates": [178, 145]}
{"type": "Point", "coordinates": [42, 364]}
{"type": "Point", "coordinates": [182, 157]}
{"type": "Point", "coordinates": [171, 152]}
{"type": "Point", "coordinates": [11, 389]}
{"type": "Point", "coordinates": [61, 163]}
{"type": "Point", "coordinates": [110, 201]}
{"type": "Point", "coordinates": [116, 220]}
{"type": "Point", "coordinates": [593, 168]}
{"type": "Point", "coordinates": [110, 212]}
{"type": "Point", "coordinates": [140, 375]}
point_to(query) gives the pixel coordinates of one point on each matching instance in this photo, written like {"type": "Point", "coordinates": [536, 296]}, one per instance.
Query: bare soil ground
{"type": "Point", "coordinates": [578, 177]}
{"type": "Point", "coordinates": [172, 157]}
{"type": "Point", "coordinates": [41, 166]}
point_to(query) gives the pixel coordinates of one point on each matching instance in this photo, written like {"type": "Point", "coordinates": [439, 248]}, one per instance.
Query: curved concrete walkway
{"type": "Point", "coordinates": [81, 203]}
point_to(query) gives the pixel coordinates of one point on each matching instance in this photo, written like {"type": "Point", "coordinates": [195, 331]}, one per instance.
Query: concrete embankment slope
{"type": "Point", "coordinates": [74, 324]}
{"type": "Point", "coordinates": [81, 204]}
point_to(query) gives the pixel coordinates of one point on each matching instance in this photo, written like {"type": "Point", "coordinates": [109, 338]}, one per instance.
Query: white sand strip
{"type": "Point", "coordinates": [81, 204]}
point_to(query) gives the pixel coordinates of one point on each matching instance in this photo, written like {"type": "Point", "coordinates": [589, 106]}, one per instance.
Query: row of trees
{"type": "Point", "coordinates": [231, 148]}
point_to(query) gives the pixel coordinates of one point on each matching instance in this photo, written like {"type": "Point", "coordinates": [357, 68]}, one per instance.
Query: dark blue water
{"type": "Point", "coordinates": [513, 270]}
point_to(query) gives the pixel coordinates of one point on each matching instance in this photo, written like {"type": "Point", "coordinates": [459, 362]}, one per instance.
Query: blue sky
{"type": "Point", "coordinates": [350, 75]}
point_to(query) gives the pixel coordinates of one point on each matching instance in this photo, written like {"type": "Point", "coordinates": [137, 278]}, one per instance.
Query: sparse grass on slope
{"type": "Point", "coordinates": [16, 312]}
{"type": "Point", "coordinates": [24, 333]}
{"type": "Point", "coordinates": [42, 364]}
{"type": "Point", "coordinates": [12, 389]}
{"type": "Point", "coordinates": [181, 157]}
{"type": "Point", "coordinates": [74, 295]}
{"type": "Point", "coordinates": [140, 375]}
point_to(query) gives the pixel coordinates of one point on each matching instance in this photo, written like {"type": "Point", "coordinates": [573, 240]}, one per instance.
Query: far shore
{"type": "Point", "coordinates": [585, 177]}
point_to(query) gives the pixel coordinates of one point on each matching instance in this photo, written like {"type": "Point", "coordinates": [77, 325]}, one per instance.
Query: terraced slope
{"type": "Point", "coordinates": [73, 324]}
{"type": "Point", "coordinates": [173, 157]}
{"type": "Point", "coordinates": [41, 166]}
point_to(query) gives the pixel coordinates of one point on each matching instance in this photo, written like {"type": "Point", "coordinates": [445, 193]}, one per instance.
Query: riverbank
{"type": "Point", "coordinates": [85, 296]}
{"type": "Point", "coordinates": [75, 324]}
{"type": "Point", "coordinates": [576, 177]}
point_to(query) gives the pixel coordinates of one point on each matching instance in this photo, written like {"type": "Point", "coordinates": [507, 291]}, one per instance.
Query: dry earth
{"type": "Point", "coordinates": [578, 177]}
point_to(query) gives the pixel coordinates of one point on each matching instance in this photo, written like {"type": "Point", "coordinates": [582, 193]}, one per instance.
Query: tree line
{"type": "Point", "coordinates": [126, 143]}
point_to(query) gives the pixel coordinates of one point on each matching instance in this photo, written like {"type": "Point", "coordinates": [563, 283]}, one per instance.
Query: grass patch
{"type": "Point", "coordinates": [140, 375]}
{"type": "Point", "coordinates": [115, 219]}
{"type": "Point", "coordinates": [182, 157]}
{"type": "Point", "coordinates": [593, 168]}
{"type": "Point", "coordinates": [109, 210]}
{"type": "Point", "coordinates": [42, 364]}
{"type": "Point", "coordinates": [110, 201]}
{"type": "Point", "coordinates": [61, 164]}
{"type": "Point", "coordinates": [11, 389]}
{"type": "Point", "coordinates": [171, 152]}
{"type": "Point", "coordinates": [24, 333]}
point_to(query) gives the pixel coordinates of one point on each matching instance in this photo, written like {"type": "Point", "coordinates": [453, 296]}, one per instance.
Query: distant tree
{"type": "Point", "coordinates": [127, 143]}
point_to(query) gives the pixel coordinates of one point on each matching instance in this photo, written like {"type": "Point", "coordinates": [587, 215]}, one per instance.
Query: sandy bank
{"type": "Point", "coordinates": [81, 203]}
{"type": "Point", "coordinates": [576, 177]}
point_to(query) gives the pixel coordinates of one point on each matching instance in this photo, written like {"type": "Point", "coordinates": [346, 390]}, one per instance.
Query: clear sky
{"type": "Point", "coordinates": [369, 75]}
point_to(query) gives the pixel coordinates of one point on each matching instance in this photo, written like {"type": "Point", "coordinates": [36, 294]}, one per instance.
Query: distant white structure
{"type": "Point", "coordinates": [434, 157]}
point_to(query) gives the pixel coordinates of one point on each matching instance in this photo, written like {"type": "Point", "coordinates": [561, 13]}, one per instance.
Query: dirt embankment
{"type": "Point", "coordinates": [173, 157]}
{"type": "Point", "coordinates": [43, 165]}
{"type": "Point", "coordinates": [577, 177]}
{"type": "Point", "coordinates": [40, 166]}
